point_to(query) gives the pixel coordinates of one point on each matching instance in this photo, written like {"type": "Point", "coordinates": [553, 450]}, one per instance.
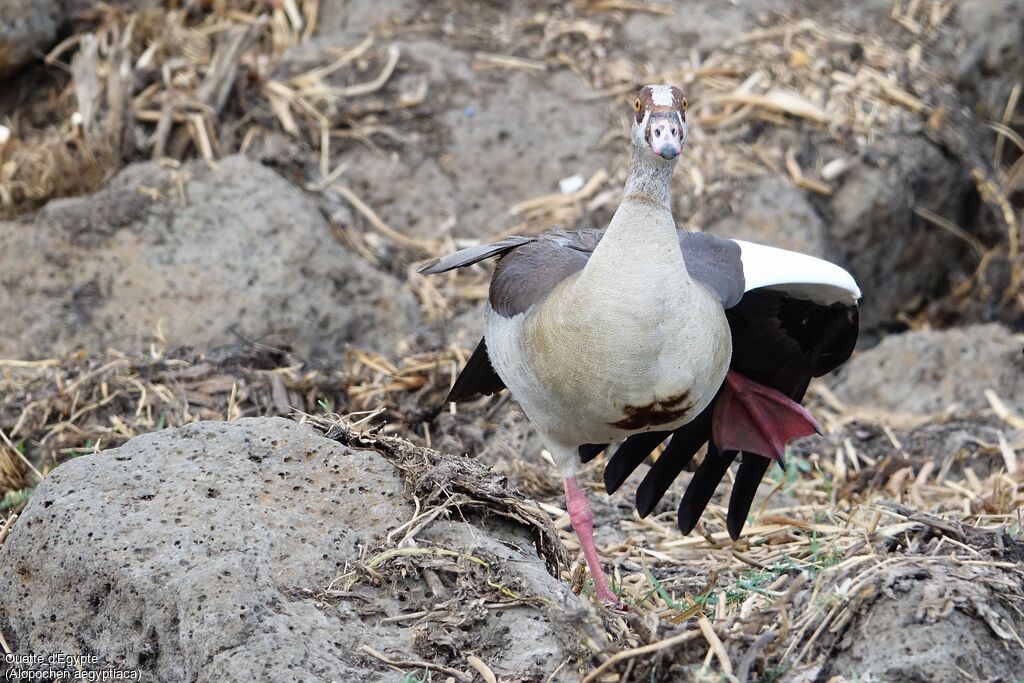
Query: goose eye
{"type": "Point", "coordinates": [683, 104]}
{"type": "Point", "coordinates": [637, 106]}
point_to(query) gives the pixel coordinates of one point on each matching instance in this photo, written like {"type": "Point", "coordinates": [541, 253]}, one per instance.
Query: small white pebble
{"type": "Point", "coordinates": [834, 168]}
{"type": "Point", "coordinates": [571, 185]}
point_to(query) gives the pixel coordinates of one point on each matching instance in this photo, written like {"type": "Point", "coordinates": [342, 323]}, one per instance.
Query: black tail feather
{"type": "Point", "coordinates": [702, 486]}
{"type": "Point", "coordinates": [748, 478]}
{"type": "Point", "coordinates": [628, 457]}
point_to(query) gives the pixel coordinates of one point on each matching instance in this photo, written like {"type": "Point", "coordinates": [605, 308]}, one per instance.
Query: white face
{"type": "Point", "coordinates": [661, 95]}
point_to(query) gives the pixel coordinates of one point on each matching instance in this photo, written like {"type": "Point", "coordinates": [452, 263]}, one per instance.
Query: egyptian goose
{"type": "Point", "coordinates": [641, 333]}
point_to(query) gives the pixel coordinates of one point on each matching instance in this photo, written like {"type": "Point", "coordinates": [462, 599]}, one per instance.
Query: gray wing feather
{"type": "Point", "coordinates": [527, 275]}
{"type": "Point", "coordinates": [716, 263]}
{"type": "Point", "coordinates": [471, 255]}
{"type": "Point", "coordinates": [530, 267]}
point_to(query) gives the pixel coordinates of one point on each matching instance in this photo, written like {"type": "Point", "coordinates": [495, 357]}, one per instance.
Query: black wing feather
{"type": "Point", "coordinates": [702, 486]}
{"type": "Point", "coordinates": [628, 457]}
{"type": "Point", "coordinates": [685, 443]}
{"type": "Point", "coordinates": [781, 341]}
{"type": "Point", "coordinates": [748, 478]}
{"type": "Point", "coordinates": [478, 378]}
{"type": "Point", "coordinates": [589, 451]}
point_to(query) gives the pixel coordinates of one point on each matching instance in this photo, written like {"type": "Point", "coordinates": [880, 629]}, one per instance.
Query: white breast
{"type": "Point", "coordinates": [590, 367]}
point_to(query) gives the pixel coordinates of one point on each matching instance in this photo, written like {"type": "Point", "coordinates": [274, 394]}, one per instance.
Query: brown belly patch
{"type": "Point", "coordinates": [660, 412]}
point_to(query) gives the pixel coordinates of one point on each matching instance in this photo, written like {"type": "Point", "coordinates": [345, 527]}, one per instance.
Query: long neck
{"type": "Point", "coordinates": [649, 179]}
{"type": "Point", "coordinates": [645, 212]}
{"type": "Point", "coordinates": [641, 241]}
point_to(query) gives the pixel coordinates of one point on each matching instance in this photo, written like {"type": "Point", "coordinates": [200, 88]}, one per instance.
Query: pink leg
{"type": "Point", "coordinates": [582, 518]}
{"type": "Point", "coordinates": [753, 418]}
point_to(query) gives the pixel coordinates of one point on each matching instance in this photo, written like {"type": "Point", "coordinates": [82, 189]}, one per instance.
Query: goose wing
{"type": "Point", "coordinates": [797, 318]}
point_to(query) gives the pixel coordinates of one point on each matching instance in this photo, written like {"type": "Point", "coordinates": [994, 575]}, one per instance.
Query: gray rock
{"type": "Point", "coordinates": [27, 28]}
{"type": "Point", "coordinates": [206, 553]}
{"type": "Point", "coordinates": [931, 622]}
{"type": "Point", "coordinates": [927, 371]}
{"type": "Point", "coordinates": [773, 211]}
{"type": "Point", "coordinates": [198, 253]}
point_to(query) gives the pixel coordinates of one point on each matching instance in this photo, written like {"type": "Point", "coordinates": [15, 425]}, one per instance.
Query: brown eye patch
{"type": "Point", "coordinates": [659, 99]}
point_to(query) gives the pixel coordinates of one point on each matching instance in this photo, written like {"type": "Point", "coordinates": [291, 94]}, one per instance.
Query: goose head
{"type": "Point", "coordinates": [659, 122]}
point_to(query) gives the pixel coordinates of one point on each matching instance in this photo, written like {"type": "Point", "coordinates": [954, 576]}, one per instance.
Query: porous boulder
{"type": "Point", "coordinates": [928, 371]}
{"type": "Point", "coordinates": [256, 550]}
{"type": "Point", "coordinates": [191, 256]}
{"type": "Point", "coordinates": [925, 619]}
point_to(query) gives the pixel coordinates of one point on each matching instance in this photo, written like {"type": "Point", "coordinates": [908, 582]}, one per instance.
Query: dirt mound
{"type": "Point", "coordinates": [191, 256]}
{"type": "Point", "coordinates": [930, 371]}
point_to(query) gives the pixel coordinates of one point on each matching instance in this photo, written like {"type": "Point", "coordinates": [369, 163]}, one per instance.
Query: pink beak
{"type": "Point", "coordinates": [665, 135]}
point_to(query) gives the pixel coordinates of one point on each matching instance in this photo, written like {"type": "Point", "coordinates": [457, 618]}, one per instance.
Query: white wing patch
{"type": "Point", "coordinates": [661, 95]}
{"type": "Point", "coordinates": [796, 274]}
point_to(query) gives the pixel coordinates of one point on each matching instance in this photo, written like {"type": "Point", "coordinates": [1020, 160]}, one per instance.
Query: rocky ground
{"type": "Point", "coordinates": [224, 453]}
